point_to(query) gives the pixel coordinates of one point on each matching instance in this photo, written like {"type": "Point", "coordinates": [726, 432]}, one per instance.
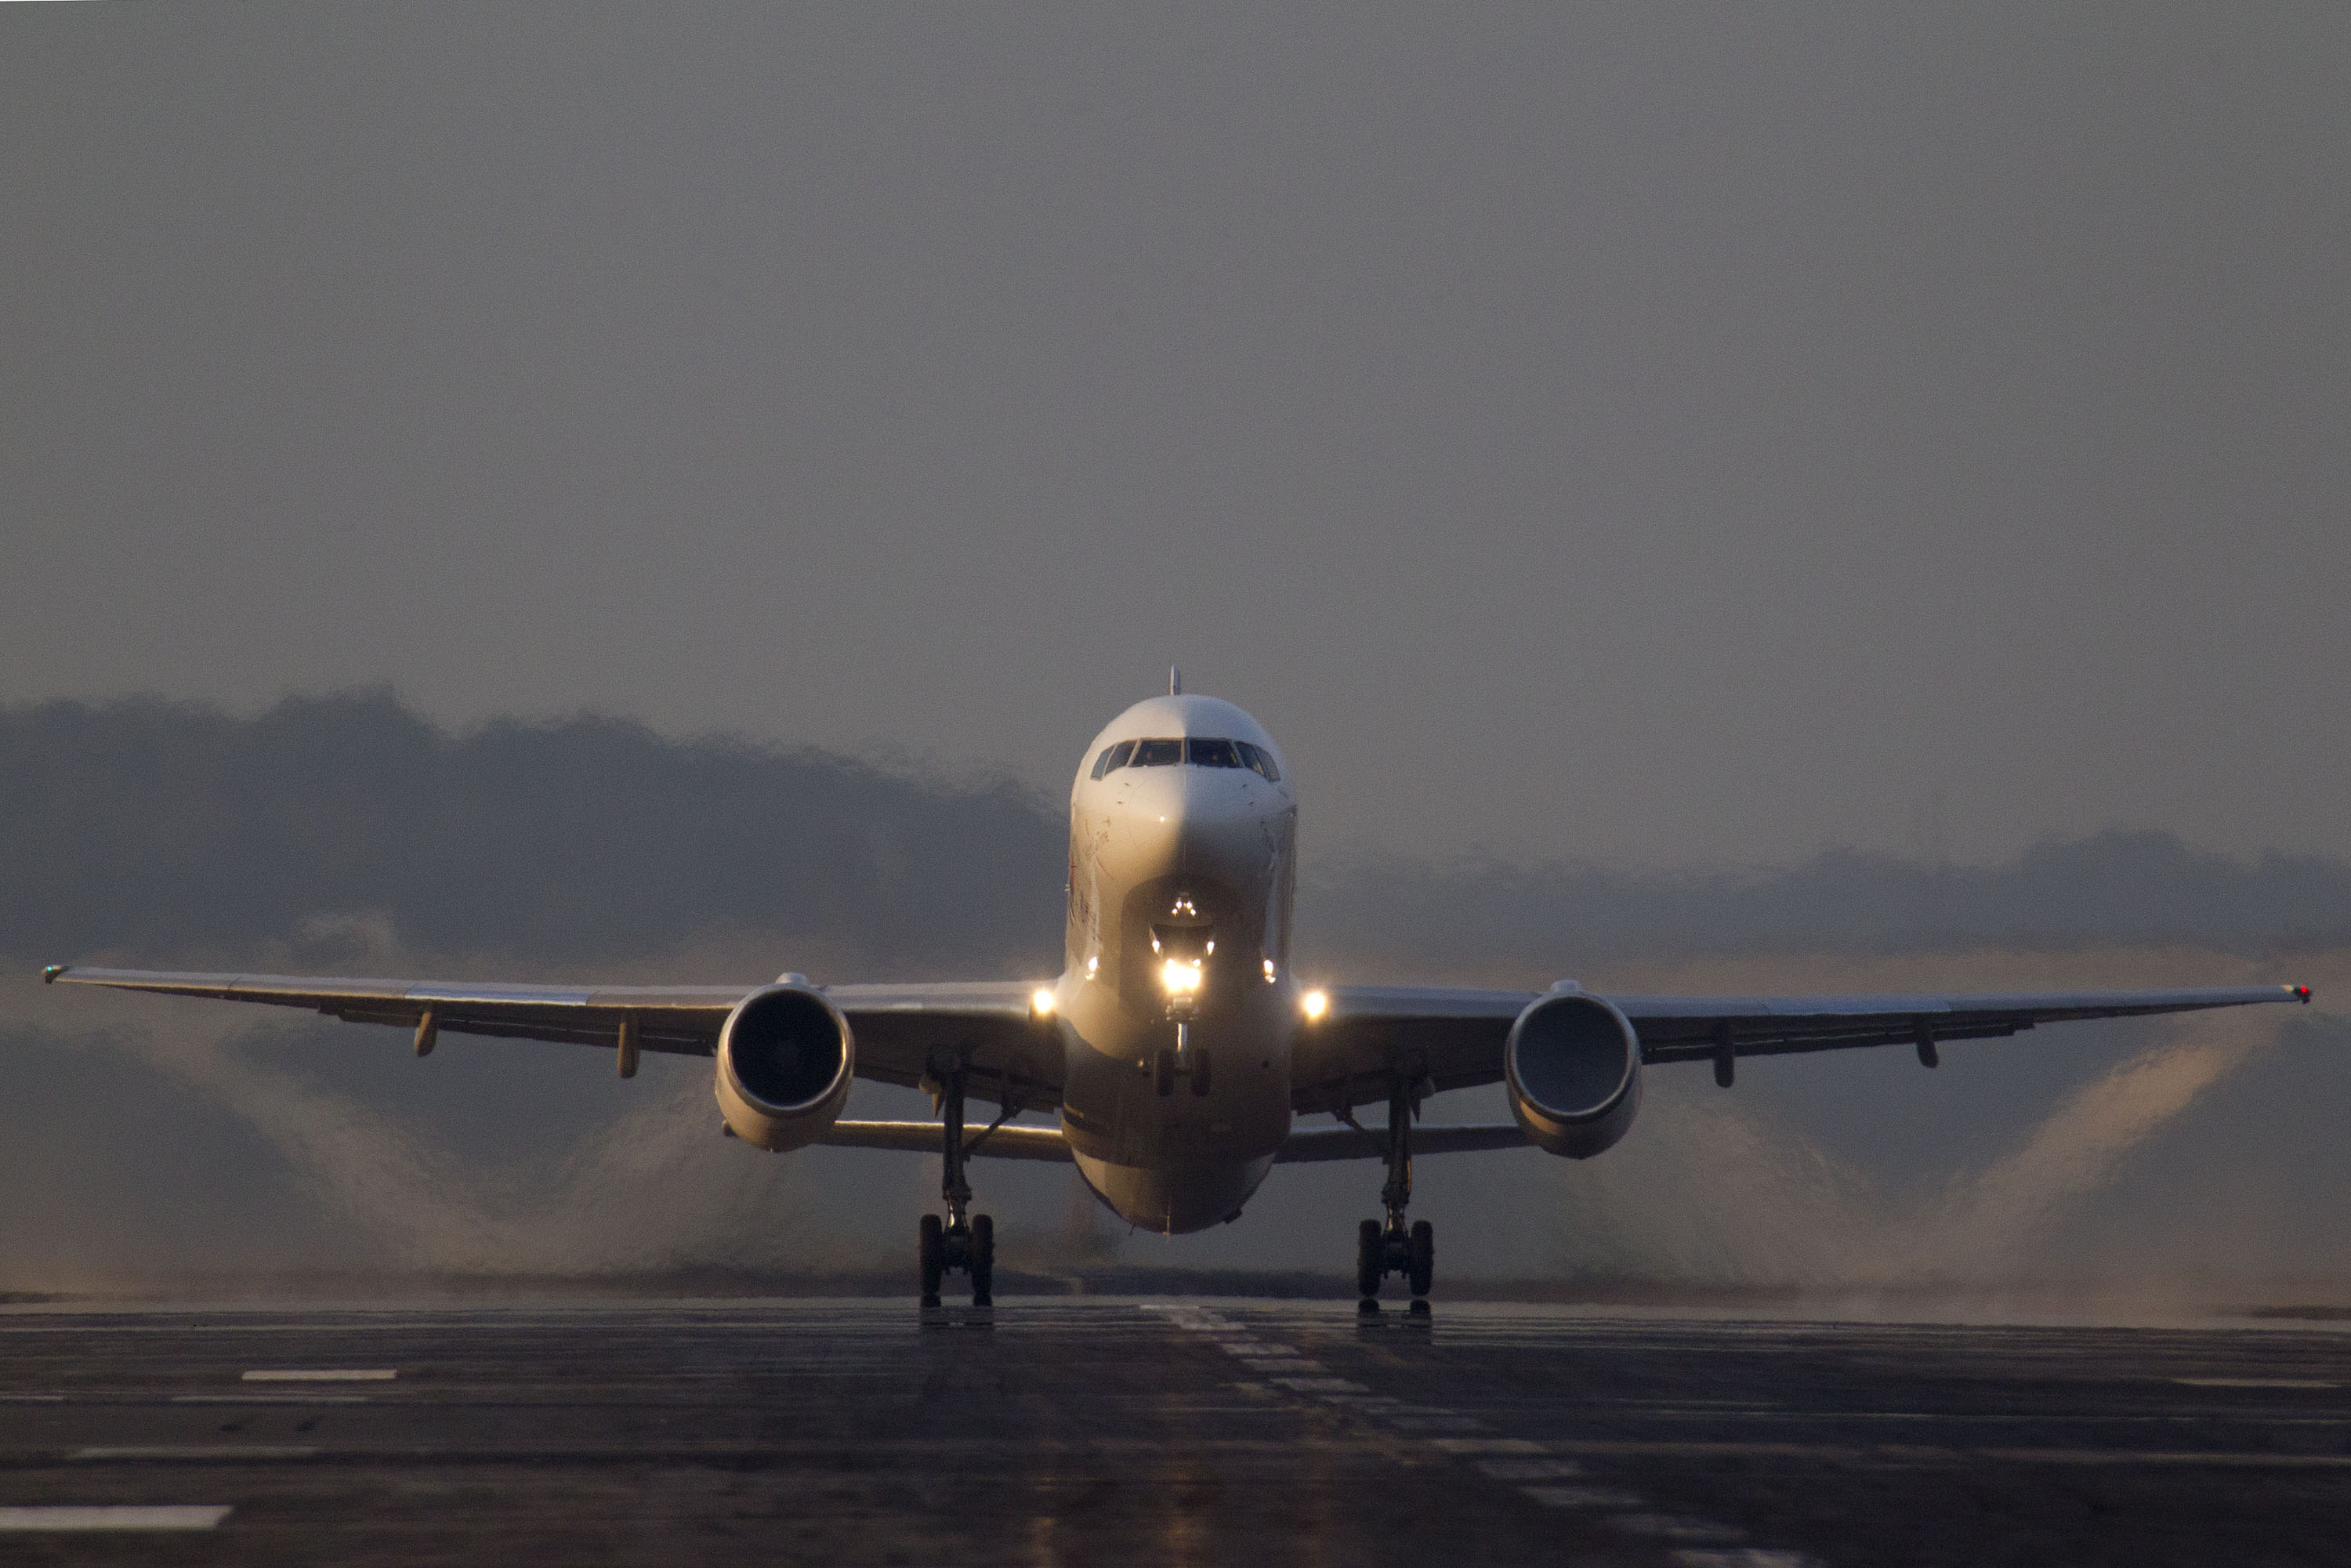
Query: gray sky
{"type": "Point", "coordinates": [1655, 433]}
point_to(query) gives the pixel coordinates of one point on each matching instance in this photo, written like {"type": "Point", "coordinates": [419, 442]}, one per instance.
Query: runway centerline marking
{"type": "Point", "coordinates": [2254, 1383]}
{"type": "Point", "coordinates": [1708, 1544]}
{"type": "Point", "coordinates": [1530, 1469]}
{"type": "Point", "coordinates": [115, 1516]}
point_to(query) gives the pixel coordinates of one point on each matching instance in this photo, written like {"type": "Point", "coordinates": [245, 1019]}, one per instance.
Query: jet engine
{"type": "Point", "coordinates": [785, 1061]}
{"type": "Point", "coordinates": [1573, 1066]}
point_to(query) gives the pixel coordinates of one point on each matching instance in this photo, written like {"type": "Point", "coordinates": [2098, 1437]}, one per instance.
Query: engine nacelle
{"type": "Point", "coordinates": [1573, 1066]}
{"type": "Point", "coordinates": [786, 1058]}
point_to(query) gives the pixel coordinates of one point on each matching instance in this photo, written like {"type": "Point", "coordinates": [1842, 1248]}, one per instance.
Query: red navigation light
{"type": "Point", "coordinates": [2302, 991]}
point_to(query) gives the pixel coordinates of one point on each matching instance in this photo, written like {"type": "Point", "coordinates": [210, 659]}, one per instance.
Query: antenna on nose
{"type": "Point", "coordinates": [1174, 682]}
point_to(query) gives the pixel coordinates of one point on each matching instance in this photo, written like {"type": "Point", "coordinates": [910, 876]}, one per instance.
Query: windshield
{"type": "Point", "coordinates": [1158, 753]}
{"type": "Point", "coordinates": [1203, 753]}
{"type": "Point", "coordinates": [1200, 751]}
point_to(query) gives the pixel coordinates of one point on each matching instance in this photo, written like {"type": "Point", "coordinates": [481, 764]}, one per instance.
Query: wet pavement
{"type": "Point", "coordinates": [1166, 1431]}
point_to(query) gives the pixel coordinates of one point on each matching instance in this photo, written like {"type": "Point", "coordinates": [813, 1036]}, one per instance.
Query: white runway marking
{"type": "Point", "coordinates": [337, 1375]}
{"type": "Point", "coordinates": [269, 1399]}
{"type": "Point", "coordinates": [115, 1516]}
{"type": "Point", "coordinates": [2254, 1383]}
{"type": "Point", "coordinates": [32, 1398]}
{"type": "Point", "coordinates": [1530, 1469]}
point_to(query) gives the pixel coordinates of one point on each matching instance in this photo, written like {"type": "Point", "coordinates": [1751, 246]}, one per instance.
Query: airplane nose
{"type": "Point", "coordinates": [1186, 797]}
{"type": "Point", "coordinates": [1201, 820]}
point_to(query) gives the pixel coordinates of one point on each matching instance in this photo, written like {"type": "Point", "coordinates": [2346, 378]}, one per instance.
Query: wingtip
{"type": "Point", "coordinates": [2301, 994]}
{"type": "Point", "coordinates": [52, 971]}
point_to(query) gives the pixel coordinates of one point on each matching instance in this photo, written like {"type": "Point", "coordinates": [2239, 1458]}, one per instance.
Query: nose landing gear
{"type": "Point", "coordinates": [964, 1241]}
{"type": "Point", "coordinates": [1187, 1061]}
{"type": "Point", "coordinates": [1394, 1247]}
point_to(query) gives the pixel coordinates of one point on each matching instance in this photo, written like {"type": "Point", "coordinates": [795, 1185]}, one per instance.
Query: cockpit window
{"type": "Point", "coordinates": [1158, 753]}
{"type": "Point", "coordinates": [1201, 753]}
{"type": "Point", "coordinates": [1259, 759]}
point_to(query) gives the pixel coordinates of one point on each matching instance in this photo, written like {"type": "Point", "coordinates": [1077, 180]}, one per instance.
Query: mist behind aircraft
{"type": "Point", "coordinates": [347, 832]}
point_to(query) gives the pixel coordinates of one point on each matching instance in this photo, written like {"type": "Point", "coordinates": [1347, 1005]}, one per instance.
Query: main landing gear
{"type": "Point", "coordinates": [964, 1241]}
{"type": "Point", "coordinates": [1394, 1247]}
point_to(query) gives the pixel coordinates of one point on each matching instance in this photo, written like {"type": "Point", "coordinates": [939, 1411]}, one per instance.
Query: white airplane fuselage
{"type": "Point", "coordinates": [1202, 858]}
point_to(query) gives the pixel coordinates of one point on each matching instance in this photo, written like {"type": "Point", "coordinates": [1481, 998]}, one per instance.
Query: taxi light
{"type": "Point", "coordinates": [1182, 979]}
{"type": "Point", "coordinates": [1315, 1003]}
{"type": "Point", "coordinates": [1043, 1000]}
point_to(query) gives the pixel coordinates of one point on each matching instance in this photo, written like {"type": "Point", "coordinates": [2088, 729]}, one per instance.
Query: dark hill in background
{"type": "Point", "coordinates": [2117, 889]}
{"type": "Point", "coordinates": [147, 829]}
{"type": "Point", "coordinates": [144, 826]}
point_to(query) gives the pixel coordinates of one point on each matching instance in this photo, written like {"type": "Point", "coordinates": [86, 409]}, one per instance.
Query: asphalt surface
{"type": "Point", "coordinates": [1101, 1431]}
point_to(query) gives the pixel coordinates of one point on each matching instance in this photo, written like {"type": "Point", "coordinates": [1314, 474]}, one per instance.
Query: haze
{"type": "Point", "coordinates": [1658, 435]}
{"type": "Point", "coordinates": [150, 1138]}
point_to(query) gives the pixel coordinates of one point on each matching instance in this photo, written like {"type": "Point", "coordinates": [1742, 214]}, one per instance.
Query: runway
{"type": "Point", "coordinates": [1161, 1431]}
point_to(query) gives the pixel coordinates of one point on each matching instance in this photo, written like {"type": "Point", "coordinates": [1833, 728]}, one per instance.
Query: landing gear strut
{"type": "Point", "coordinates": [963, 1240]}
{"type": "Point", "coordinates": [1394, 1247]}
{"type": "Point", "coordinates": [1187, 1061]}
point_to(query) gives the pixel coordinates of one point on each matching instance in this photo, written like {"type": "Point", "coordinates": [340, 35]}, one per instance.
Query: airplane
{"type": "Point", "coordinates": [1178, 1046]}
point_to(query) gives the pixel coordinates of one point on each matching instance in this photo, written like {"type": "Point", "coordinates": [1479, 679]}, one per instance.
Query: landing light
{"type": "Point", "coordinates": [1043, 1000]}
{"type": "Point", "coordinates": [1182, 979]}
{"type": "Point", "coordinates": [1268, 971]}
{"type": "Point", "coordinates": [1315, 1003]}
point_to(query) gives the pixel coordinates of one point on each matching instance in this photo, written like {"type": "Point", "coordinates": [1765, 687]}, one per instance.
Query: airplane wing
{"type": "Point", "coordinates": [1454, 1038]}
{"type": "Point", "coordinates": [896, 1025]}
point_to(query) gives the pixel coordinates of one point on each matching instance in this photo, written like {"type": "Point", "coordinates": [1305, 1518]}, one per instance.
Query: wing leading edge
{"type": "Point", "coordinates": [897, 1027]}
{"type": "Point", "coordinates": [1454, 1038]}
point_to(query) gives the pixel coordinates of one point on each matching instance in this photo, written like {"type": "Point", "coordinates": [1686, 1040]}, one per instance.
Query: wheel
{"type": "Point", "coordinates": [933, 1251]}
{"type": "Point", "coordinates": [1200, 1072]}
{"type": "Point", "coordinates": [983, 1261]}
{"type": "Point", "coordinates": [1420, 1257]}
{"type": "Point", "coordinates": [1371, 1259]}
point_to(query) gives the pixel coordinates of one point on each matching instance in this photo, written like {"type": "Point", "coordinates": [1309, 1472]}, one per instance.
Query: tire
{"type": "Point", "coordinates": [1370, 1260]}
{"type": "Point", "coordinates": [933, 1251]}
{"type": "Point", "coordinates": [1420, 1257]}
{"type": "Point", "coordinates": [983, 1261]}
